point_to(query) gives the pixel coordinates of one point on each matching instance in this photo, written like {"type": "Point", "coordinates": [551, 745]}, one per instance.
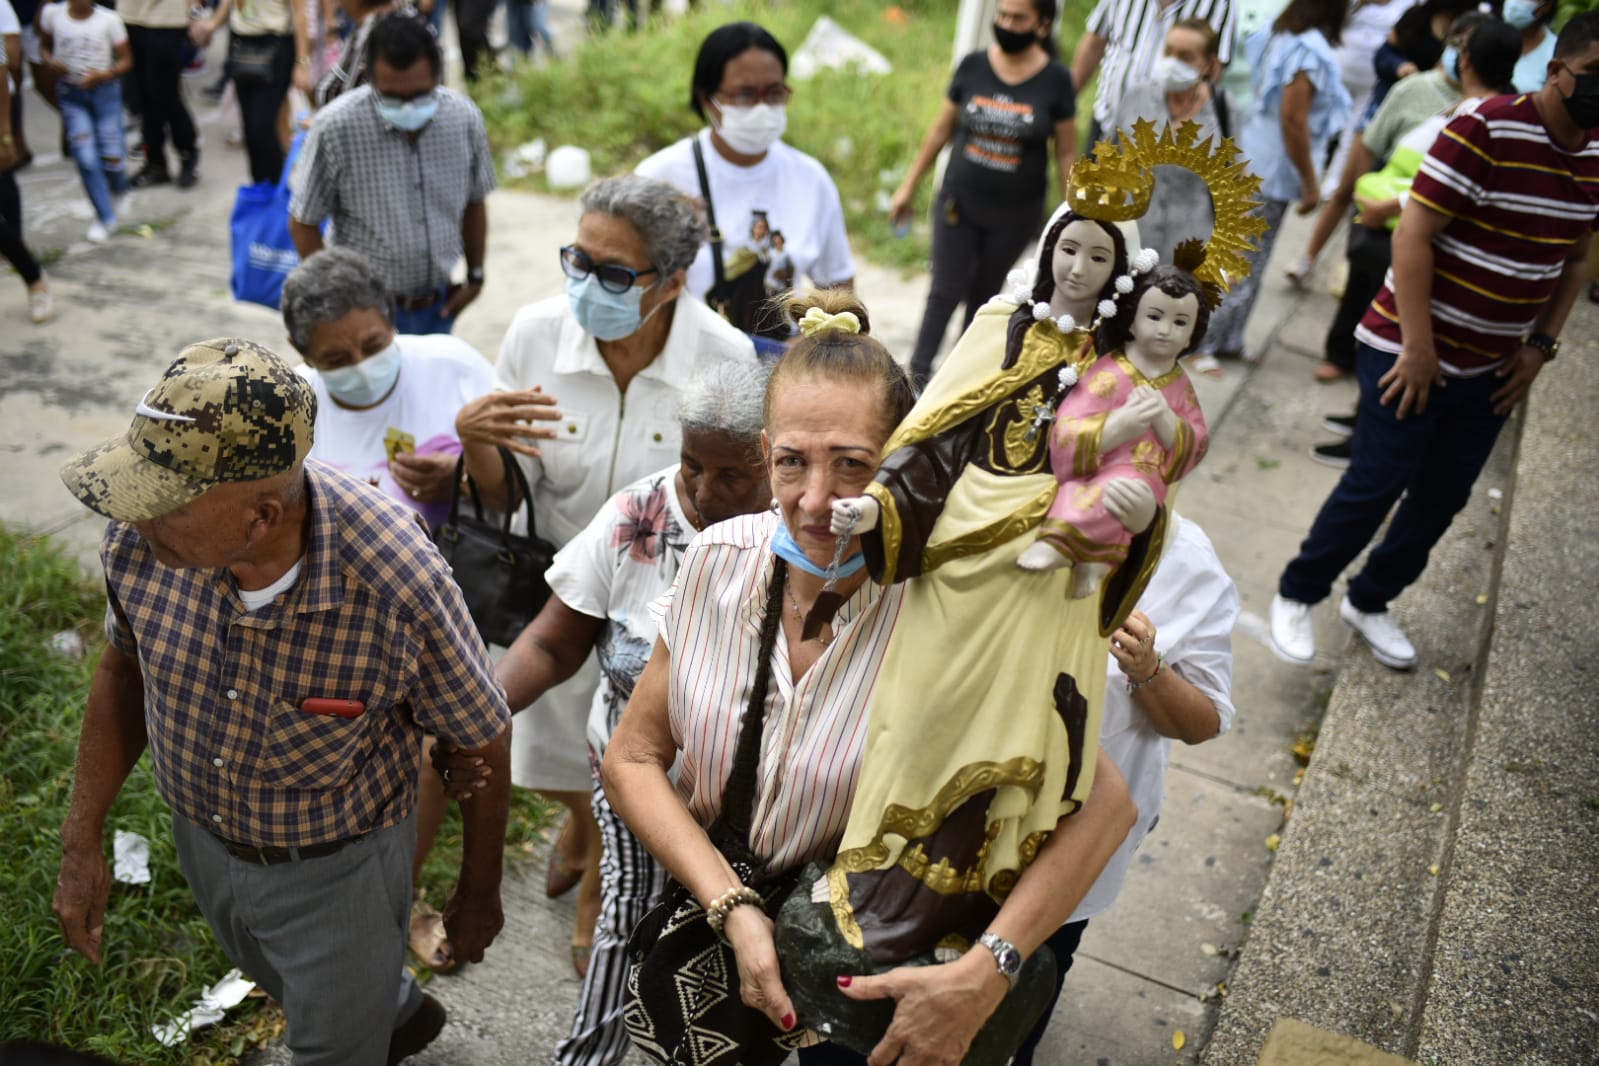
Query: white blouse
{"type": "Point", "coordinates": [815, 728]}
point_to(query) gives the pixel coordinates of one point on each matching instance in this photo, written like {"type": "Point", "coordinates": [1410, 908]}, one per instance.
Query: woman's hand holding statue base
{"type": "Point", "coordinates": [938, 1009]}
{"type": "Point", "coordinates": [760, 980]}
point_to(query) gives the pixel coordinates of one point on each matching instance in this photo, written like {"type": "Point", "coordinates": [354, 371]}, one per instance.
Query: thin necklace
{"type": "Point", "coordinates": [799, 616]}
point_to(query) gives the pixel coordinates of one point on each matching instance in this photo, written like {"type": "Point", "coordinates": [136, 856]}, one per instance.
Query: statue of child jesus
{"type": "Point", "coordinates": [1133, 414]}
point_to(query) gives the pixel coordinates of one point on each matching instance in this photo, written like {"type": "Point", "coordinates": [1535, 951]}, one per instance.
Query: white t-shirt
{"type": "Point", "coordinates": [603, 440]}
{"type": "Point", "coordinates": [255, 600]}
{"type": "Point", "coordinates": [82, 45]}
{"type": "Point", "coordinates": [438, 375]}
{"type": "Point", "coordinates": [1193, 604]}
{"type": "Point", "coordinates": [622, 562]}
{"type": "Point", "coordinates": [795, 192]}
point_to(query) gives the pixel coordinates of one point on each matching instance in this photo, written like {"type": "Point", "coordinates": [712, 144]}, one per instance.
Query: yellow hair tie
{"type": "Point", "coordinates": [816, 320]}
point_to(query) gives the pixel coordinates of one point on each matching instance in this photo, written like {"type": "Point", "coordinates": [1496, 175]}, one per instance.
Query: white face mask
{"type": "Point", "coordinates": [368, 381]}
{"type": "Point", "coordinates": [752, 130]}
{"type": "Point", "coordinates": [1175, 75]}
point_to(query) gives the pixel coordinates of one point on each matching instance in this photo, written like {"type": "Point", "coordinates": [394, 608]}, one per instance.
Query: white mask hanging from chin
{"type": "Point", "coordinates": [752, 130]}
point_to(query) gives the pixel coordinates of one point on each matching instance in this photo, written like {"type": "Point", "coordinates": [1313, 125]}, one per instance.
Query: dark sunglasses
{"type": "Point", "coordinates": [613, 277]}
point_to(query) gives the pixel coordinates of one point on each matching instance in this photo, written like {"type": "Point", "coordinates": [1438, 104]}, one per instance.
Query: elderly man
{"type": "Point", "coordinates": [403, 167]}
{"type": "Point", "coordinates": [280, 638]}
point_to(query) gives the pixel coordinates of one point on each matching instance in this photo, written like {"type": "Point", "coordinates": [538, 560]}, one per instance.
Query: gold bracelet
{"type": "Point", "coordinates": [719, 908]}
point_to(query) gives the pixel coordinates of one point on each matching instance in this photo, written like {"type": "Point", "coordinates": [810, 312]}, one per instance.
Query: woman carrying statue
{"type": "Point", "coordinates": [767, 726]}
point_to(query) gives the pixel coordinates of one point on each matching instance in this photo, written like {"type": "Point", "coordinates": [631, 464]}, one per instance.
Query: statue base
{"type": "Point", "coordinates": [814, 953]}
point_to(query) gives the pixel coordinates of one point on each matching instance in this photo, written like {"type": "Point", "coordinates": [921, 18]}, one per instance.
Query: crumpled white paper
{"type": "Point", "coordinates": [207, 1010]}
{"type": "Point", "coordinates": [830, 45]}
{"type": "Point", "coordinates": [130, 854]}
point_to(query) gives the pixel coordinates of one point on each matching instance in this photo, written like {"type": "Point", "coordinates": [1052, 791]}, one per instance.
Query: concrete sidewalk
{"type": "Point", "coordinates": [1154, 968]}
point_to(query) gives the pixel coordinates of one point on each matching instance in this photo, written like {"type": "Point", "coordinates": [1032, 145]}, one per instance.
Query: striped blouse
{"type": "Point", "coordinates": [815, 727]}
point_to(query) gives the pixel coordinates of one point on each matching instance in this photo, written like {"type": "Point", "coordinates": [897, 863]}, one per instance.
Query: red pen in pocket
{"type": "Point", "coordinates": [333, 707]}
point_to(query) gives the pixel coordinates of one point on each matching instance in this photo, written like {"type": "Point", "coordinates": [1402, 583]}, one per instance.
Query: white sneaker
{"type": "Point", "coordinates": [1293, 636]}
{"type": "Point", "coordinates": [98, 234]}
{"type": "Point", "coordinates": [1382, 634]}
{"type": "Point", "coordinates": [40, 306]}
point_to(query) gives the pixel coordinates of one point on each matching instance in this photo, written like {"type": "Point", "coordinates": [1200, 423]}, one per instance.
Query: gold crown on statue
{"type": "Point", "coordinates": [1111, 186]}
{"type": "Point", "coordinates": [1119, 182]}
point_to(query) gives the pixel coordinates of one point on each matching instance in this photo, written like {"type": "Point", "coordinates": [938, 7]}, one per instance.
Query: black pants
{"type": "Point", "coordinates": [158, 70]}
{"type": "Point", "coordinates": [1370, 252]}
{"type": "Point", "coordinates": [472, 27]}
{"type": "Point", "coordinates": [11, 246]}
{"type": "Point", "coordinates": [970, 261]}
{"type": "Point", "coordinates": [260, 100]}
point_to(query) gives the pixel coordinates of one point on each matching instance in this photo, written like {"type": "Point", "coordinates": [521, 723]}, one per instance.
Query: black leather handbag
{"type": "Point", "coordinates": [501, 573]}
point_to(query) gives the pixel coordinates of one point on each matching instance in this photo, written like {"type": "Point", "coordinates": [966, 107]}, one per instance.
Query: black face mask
{"type": "Point", "coordinates": [1583, 103]}
{"type": "Point", "coordinates": [1012, 42]}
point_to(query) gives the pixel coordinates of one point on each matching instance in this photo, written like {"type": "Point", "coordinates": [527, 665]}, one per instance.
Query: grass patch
{"type": "Point", "coordinates": [624, 96]}
{"type": "Point", "coordinates": [159, 954]}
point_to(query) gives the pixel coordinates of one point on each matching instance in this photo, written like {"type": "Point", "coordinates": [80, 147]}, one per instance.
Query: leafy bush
{"type": "Point", "coordinates": [624, 96]}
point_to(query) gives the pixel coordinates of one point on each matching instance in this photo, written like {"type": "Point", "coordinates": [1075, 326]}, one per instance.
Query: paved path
{"type": "Point", "coordinates": [1146, 972]}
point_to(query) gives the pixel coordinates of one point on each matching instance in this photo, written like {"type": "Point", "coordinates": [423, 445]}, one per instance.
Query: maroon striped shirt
{"type": "Point", "coordinates": [1517, 202]}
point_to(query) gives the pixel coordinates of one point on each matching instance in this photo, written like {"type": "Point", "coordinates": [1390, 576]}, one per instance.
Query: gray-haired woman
{"type": "Point", "coordinates": [604, 581]}
{"type": "Point", "coordinates": [593, 380]}
{"type": "Point", "coordinates": [386, 403]}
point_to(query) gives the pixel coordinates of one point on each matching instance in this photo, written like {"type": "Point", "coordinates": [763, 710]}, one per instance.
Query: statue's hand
{"type": "Point", "coordinates": [1130, 502]}
{"type": "Point", "coordinates": [855, 514]}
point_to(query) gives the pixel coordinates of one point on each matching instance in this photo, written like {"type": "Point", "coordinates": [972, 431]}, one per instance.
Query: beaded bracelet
{"type": "Point", "coordinates": [1160, 661]}
{"type": "Point", "coordinates": [720, 907]}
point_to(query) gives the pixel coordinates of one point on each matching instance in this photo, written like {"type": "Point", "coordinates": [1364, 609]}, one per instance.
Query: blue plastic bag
{"type": "Point", "coordinates": [263, 251]}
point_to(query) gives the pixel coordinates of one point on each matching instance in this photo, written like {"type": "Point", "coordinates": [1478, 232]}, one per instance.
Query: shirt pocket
{"type": "Point", "coordinates": [312, 751]}
{"type": "Point", "coordinates": [662, 439]}
{"type": "Point", "coordinates": [574, 449]}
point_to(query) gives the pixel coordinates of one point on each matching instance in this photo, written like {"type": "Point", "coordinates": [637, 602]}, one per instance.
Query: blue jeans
{"type": "Point", "coordinates": [93, 119]}
{"type": "Point", "coordinates": [423, 320]}
{"type": "Point", "coordinates": [1430, 459]}
{"type": "Point", "coordinates": [529, 21]}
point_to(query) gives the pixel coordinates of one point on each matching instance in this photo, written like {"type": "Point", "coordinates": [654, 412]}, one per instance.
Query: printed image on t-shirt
{"type": "Point", "coordinates": [82, 45]}
{"type": "Point", "coordinates": [997, 128]}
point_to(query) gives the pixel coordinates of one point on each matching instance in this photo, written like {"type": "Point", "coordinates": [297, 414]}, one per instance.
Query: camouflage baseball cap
{"type": "Point", "coordinates": [225, 410]}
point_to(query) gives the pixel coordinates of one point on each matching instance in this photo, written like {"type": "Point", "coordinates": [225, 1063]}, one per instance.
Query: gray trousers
{"type": "Point", "coordinates": [324, 937]}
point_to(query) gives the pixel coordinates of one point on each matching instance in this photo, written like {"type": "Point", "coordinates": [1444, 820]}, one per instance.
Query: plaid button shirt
{"type": "Point", "coordinates": [374, 616]}
{"type": "Point", "coordinates": [397, 201]}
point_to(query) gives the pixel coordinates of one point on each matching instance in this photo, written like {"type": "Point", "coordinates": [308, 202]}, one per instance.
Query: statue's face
{"type": "Point", "coordinates": [1084, 257]}
{"type": "Point", "coordinates": [1164, 324]}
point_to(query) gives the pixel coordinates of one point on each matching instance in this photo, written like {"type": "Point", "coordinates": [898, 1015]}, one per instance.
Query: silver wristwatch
{"type": "Point", "coordinates": [1006, 957]}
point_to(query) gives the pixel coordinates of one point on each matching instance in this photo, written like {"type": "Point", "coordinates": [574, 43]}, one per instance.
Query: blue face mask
{"type": "Point", "coordinates": [1521, 13]}
{"type": "Point", "coordinates": [609, 316]}
{"type": "Point", "coordinates": [409, 115]}
{"type": "Point", "coordinates": [1451, 62]}
{"type": "Point", "coordinates": [784, 544]}
{"type": "Point", "coordinates": [368, 381]}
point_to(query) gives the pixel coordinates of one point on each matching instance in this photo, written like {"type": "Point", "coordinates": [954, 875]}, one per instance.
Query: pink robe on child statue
{"type": "Point", "coordinates": [1078, 525]}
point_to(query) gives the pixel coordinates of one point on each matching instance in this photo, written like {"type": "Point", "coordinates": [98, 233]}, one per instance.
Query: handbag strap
{"type": "Point", "coordinates": [731, 831]}
{"type": "Point", "coordinates": [462, 477]}
{"type": "Point", "coordinates": [514, 476]}
{"type": "Point", "coordinates": [719, 278]}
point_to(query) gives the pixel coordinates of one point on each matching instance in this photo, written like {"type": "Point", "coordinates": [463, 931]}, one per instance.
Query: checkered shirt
{"type": "Point", "coordinates": [374, 616]}
{"type": "Point", "coordinates": [396, 201]}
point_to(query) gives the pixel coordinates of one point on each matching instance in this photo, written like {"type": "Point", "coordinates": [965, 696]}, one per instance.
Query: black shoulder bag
{"type": "Point", "coordinates": [683, 1004]}
{"type": "Point", "coordinates": [501, 573]}
{"type": "Point", "coordinates": [740, 299]}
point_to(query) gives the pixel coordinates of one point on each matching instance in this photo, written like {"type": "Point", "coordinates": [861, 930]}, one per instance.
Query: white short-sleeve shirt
{"type": "Point", "coordinates": [438, 375]}
{"type": "Point", "coordinates": [605, 440]}
{"type": "Point", "coordinates": [794, 191]}
{"type": "Point", "coordinates": [82, 45]}
{"type": "Point", "coordinates": [1194, 605]}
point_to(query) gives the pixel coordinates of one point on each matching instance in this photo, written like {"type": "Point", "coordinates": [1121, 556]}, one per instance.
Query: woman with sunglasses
{"type": "Point", "coordinates": [752, 183]}
{"type": "Point", "coordinates": [587, 390]}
